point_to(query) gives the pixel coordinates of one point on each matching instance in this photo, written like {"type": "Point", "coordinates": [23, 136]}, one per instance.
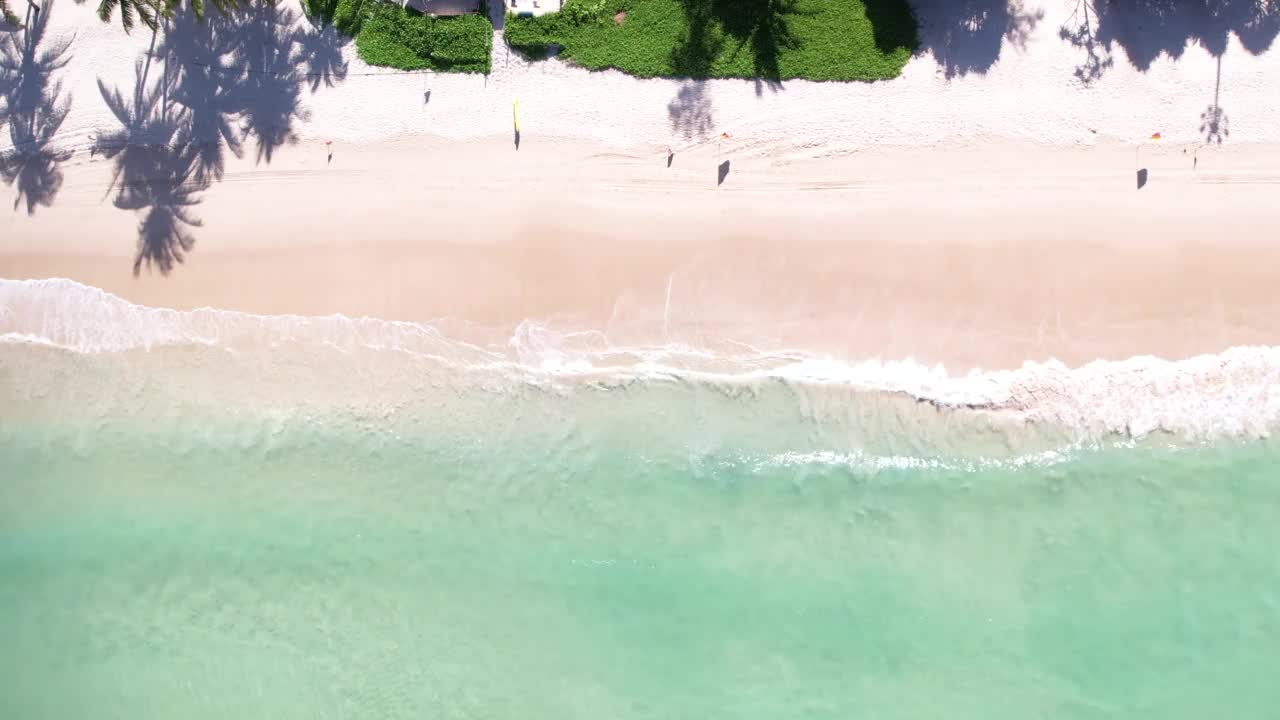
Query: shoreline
{"type": "Point", "coordinates": [64, 338]}
{"type": "Point", "coordinates": [977, 216]}
{"type": "Point", "coordinates": [965, 257]}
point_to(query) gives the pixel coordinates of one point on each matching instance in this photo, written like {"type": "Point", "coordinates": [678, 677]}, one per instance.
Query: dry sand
{"type": "Point", "coordinates": [975, 215]}
{"type": "Point", "coordinates": [970, 258]}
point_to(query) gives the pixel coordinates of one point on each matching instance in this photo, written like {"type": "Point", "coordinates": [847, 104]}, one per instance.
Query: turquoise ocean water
{"type": "Point", "coordinates": [234, 528]}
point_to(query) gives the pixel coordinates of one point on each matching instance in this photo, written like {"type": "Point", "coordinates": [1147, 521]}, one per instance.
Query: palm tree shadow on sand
{"type": "Point", "coordinates": [272, 81]}
{"type": "Point", "coordinates": [966, 36]}
{"type": "Point", "coordinates": [1149, 29]}
{"type": "Point", "coordinates": [33, 107]}
{"type": "Point", "coordinates": [150, 175]}
{"type": "Point", "coordinates": [1080, 30]}
{"type": "Point", "coordinates": [232, 81]}
{"type": "Point", "coordinates": [1214, 123]}
{"type": "Point", "coordinates": [690, 111]}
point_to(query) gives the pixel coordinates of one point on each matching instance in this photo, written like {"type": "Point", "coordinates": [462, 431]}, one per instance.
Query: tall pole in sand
{"type": "Point", "coordinates": [515, 120]}
{"type": "Point", "coordinates": [1137, 162]}
{"type": "Point", "coordinates": [720, 171]}
{"type": "Point", "coordinates": [1137, 155]}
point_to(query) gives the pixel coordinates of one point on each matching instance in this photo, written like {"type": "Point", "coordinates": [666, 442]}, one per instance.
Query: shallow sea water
{"type": "Point", "coordinates": [192, 532]}
{"type": "Point", "coordinates": [326, 577]}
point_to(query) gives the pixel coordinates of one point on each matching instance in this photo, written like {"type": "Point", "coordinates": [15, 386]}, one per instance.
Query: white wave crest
{"type": "Point", "coordinates": [1232, 393]}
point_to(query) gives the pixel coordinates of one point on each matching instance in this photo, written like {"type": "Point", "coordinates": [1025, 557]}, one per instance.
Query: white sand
{"type": "Point", "coordinates": [976, 258]}
{"type": "Point", "coordinates": [1029, 94]}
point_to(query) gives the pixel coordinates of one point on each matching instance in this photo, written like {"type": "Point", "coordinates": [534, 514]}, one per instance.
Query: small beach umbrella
{"type": "Point", "coordinates": [1137, 160]}
{"type": "Point", "coordinates": [515, 113]}
{"type": "Point", "coordinates": [1138, 150]}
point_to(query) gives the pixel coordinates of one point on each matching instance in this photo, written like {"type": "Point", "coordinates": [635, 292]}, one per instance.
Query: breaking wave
{"type": "Point", "coordinates": [1235, 393]}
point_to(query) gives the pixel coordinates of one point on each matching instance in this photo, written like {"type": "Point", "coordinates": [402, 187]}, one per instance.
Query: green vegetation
{"type": "Point", "coordinates": [400, 38]}
{"type": "Point", "coordinates": [348, 16]}
{"type": "Point", "coordinates": [389, 35]}
{"type": "Point", "coordinates": [771, 39]}
{"type": "Point", "coordinates": [345, 15]}
{"type": "Point", "coordinates": [149, 12]}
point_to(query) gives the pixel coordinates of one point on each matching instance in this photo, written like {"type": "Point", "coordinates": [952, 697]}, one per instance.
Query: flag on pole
{"type": "Point", "coordinates": [515, 113]}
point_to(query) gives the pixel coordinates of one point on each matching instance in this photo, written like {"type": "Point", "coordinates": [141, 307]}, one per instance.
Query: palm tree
{"type": "Point", "coordinates": [149, 12]}
{"type": "Point", "coordinates": [146, 11]}
{"type": "Point", "coordinates": [223, 6]}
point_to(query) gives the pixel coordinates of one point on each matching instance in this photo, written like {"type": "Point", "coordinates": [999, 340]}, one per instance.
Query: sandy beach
{"type": "Point", "coordinates": [975, 216]}
{"type": "Point", "coordinates": [330, 392]}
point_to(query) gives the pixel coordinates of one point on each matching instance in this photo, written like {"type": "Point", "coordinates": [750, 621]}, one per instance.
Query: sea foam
{"type": "Point", "coordinates": [1235, 393]}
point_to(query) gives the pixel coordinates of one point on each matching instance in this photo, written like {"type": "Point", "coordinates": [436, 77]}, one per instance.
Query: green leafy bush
{"type": "Point", "coordinates": [320, 9]}
{"type": "Point", "coordinates": [346, 15]}
{"type": "Point", "coordinates": [771, 39]}
{"type": "Point", "coordinates": [349, 15]}
{"type": "Point", "coordinates": [395, 37]}
{"type": "Point", "coordinates": [462, 41]}
{"type": "Point", "coordinates": [581, 12]}
{"type": "Point", "coordinates": [532, 35]}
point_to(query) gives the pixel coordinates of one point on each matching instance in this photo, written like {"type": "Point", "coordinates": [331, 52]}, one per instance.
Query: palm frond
{"type": "Point", "coordinates": [116, 102]}
{"type": "Point", "coordinates": [106, 8]}
{"type": "Point", "coordinates": [144, 11]}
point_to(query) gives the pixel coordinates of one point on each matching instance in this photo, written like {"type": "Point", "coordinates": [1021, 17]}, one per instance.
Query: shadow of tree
{"type": "Point", "coordinates": [235, 78]}
{"type": "Point", "coordinates": [1214, 124]}
{"type": "Point", "coordinates": [163, 237]}
{"type": "Point", "coordinates": [690, 111]}
{"type": "Point", "coordinates": [208, 88]}
{"type": "Point", "coordinates": [1147, 29]}
{"type": "Point", "coordinates": [1079, 30]}
{"type": "Point", "coordinates": [150, 174]}
{"type": "Point", "coordinates": [272, 82]}
{"type": "Point", "coordinates": [966, 36]}
{"type": "Point", "coordinates": [321, 51]}
{"type": "Point", "coordinates": [759, 26]}
{"type": "Point", "coordinates": [701, 44]}
{"type": "Point", "coordinates": [33, 107]}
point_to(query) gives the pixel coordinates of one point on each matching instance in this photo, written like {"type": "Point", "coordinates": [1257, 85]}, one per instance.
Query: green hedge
{"type": "Point", "coordinates": [392, 36]}
{"type": "Point", "coordinates": [772, 39]}
{"type": "Point", "coordinates": [320, 9]}
{"type": "Point", "coordinates": [349, 15]}
{"type": "Point", "coordinates": [532, 35]}
{"type": "Point", "coordinates": [462, 41]}
{"type": "Point", "coordinates": [387, 34]}
{"type": "Point", "coordinates": [346, 15]}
